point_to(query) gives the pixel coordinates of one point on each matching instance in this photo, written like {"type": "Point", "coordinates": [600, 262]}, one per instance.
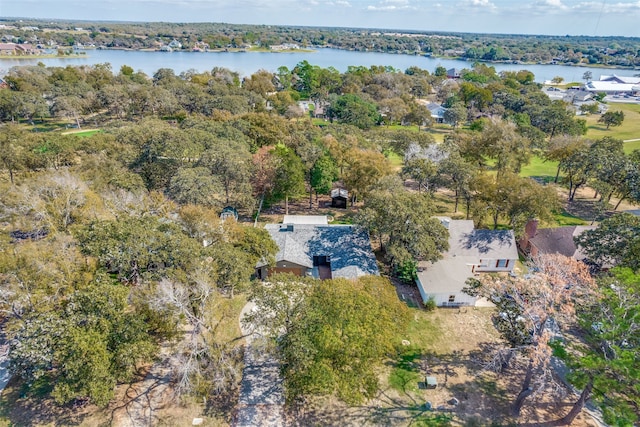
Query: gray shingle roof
{"type": "Point", "coordinates": [464, 240]}
{"type": "Point", "coordinates": [467, 246]}
{"type": "Point", "coordinates": [348, 246]}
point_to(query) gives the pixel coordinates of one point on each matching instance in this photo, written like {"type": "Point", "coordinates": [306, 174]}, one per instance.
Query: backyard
{"type": "Point", "coordinates": [454, 346]}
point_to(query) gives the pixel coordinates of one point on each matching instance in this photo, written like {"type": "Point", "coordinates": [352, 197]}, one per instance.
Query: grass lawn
{"type": "Point", "coordinates": [540, 168]}
{"type": "Point", "coordinates": [564, 218]}
{"type": "Point", "coordinates": [630, 128]}
{"type": "Point", "coordinates": [395, 159]}
{"type": "Point", "coordinates": [83, 133]}
{"type": "Point", "coordinates": [631, 145]}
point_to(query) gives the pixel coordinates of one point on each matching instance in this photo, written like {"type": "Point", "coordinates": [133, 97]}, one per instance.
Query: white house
{"type": "Point", "coordinates": [437, 112]}
{"type": "Point", "coordinates": [471, 253]}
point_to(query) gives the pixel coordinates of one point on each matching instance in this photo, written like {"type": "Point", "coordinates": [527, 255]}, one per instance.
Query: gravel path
{"type": "Point", "coordinates": [146, 397]}
{"type": "Point", "coordinates": [261, 392]}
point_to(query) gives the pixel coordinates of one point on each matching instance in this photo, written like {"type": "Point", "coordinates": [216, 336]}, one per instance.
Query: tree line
{"type": "Point", "coordinates": [618, 51]}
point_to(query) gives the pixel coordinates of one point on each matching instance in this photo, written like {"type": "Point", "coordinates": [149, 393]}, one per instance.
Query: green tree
{"type": "Point", "coordinates": [425, 172]}
{"type": "Point", "coordinates": [562, 148]}
{"type": "Point", "coordinates": [289, 175]}
{"type": "Point", "coordinates": [353, 110]}
{"type": "Point", "coordinates": [440, 71]}
{"type": "Point", "coordinates": [131, 247]}
{"type": "Point", "coordinates": [455, 114]}
{"type": "Point", "coordinates": [363, 171]}
{"type": "Point", "coordinates": [332, 335]}
{"type": "Point", "coordinates": [404, 225]}
{"type": "Point", "coordinates": [612, 118]}
{"type": "Point", "coordinates": [92, 341]}
{"type": "Point", "coordinates": [616, 241]}
{"type": "Point", "coordinates": [323, 174]}
{"type": "Point", "coordinates": [229, 162]}
{"type": "Point", "coordinates": [195, 186]}
{"type": "Point", "coordinates": [10, 138]}
{"type": "Point", "coordinates": [458, 175]}
{"type": "Point", "coordinates": [500, 141]}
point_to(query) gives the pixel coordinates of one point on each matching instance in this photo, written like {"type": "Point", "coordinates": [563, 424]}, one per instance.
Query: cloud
{"type": "Point", "coordinates": [480, 4]}
{"type": "Point", "coordinates": [553, 4]}
{"type": "Point", "coordinates": [391, 5]}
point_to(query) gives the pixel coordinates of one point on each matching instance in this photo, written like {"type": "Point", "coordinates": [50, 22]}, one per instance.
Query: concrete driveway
{"type": "Point", "coordinates": [261, 400]}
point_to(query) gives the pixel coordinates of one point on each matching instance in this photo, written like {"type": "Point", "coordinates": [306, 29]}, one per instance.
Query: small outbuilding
{"type": "Point", "coordinates": [339, 198]}
{"type": "Point", "coordinates": [431, 382]}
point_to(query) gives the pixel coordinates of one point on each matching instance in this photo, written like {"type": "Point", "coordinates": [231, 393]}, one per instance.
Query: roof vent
{"type": "Point", "coordinates": [445, 222]}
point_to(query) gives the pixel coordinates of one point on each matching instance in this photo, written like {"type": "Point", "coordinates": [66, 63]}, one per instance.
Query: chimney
{"type": "Point", "coordinates": [531, 228]}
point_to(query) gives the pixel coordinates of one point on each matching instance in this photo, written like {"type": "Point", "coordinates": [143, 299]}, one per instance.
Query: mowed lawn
{"type": "Point", "coordinates": [630, 128]}
{"type": "Point", "coordinates": [82, 133]}
{"type": "Point", "coordinates": [540, 168]}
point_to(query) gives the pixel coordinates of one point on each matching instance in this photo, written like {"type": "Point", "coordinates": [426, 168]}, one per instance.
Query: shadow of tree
{"type": "Point", "coordinates": [29, 406]}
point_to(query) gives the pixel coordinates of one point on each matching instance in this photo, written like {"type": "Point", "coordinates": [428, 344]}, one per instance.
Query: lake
{"type": "Point", "coordinates": [246, 63]}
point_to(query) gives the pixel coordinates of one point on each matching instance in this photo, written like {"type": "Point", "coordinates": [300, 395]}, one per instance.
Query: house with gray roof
{"type": "Point", "coordinates": [320, 250]}
{"type": "Point", "coordinates": [437, 112]}
{"type": "Point", "coordinates": [471, 253]}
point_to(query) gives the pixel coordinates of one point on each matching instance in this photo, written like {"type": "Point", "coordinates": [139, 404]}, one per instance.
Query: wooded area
{"type": "Point", "coordinates": [112, 244]}
{"type": "Point", "coordinates": [611, 51]}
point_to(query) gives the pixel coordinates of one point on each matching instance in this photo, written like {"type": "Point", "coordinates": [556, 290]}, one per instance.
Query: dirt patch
{"type": "Point", "coordinates": [586, 206]}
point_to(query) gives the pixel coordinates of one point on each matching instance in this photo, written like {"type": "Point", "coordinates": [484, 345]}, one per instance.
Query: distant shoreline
{"type": "Point", "coordinates": [53, 55]}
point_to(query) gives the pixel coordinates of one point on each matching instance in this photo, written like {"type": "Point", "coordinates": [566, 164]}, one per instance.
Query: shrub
{"type": "Point", "coordinates": [430, 305]}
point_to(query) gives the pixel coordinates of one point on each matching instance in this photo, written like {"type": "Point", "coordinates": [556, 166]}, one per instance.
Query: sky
{"type": "Point", "coordinates": [553, 17]}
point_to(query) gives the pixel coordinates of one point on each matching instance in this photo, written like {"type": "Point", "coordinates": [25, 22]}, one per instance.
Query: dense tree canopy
{"type": "Point", "coordinates": [404, 225]}
{"type": "Point", "coordinates": [616, 241]}
{"type": "Point", "coordinates": [332, 334]}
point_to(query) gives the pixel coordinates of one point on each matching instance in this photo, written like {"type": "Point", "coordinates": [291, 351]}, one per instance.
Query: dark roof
{"type": "Point", "coordinates": [348, 247]}
{"type": "Point", "coordinates": [559, 240]}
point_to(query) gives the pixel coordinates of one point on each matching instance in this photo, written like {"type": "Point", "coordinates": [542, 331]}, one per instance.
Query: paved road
{"type": "Point", "coordinates": [261, 392]}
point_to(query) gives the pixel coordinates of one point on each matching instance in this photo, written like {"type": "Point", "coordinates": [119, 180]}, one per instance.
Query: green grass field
{"type": "Point", "coordinates": [632, 145]}
{"type": "Point", "coordinates": [630, 128]}
{"type": "Point", "coordinates": [83, 133]}
{"type": "Point", "coordinates": [565, 219]}
{"type": "Point", "coordinates": [538, 167]}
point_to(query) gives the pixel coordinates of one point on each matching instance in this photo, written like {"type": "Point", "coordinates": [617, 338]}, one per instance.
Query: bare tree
{"type": "Point", "coordinates": [531, 311]}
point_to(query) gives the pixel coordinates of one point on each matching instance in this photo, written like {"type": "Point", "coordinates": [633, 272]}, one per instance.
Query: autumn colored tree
{"type": "Point", "coordinates": [535, 308]}
{"type": "Point", "coordinates": [603, 364]}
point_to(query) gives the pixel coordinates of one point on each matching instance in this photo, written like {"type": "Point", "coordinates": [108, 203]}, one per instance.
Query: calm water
{"type": "Point", "coordinates": [246, 63]}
